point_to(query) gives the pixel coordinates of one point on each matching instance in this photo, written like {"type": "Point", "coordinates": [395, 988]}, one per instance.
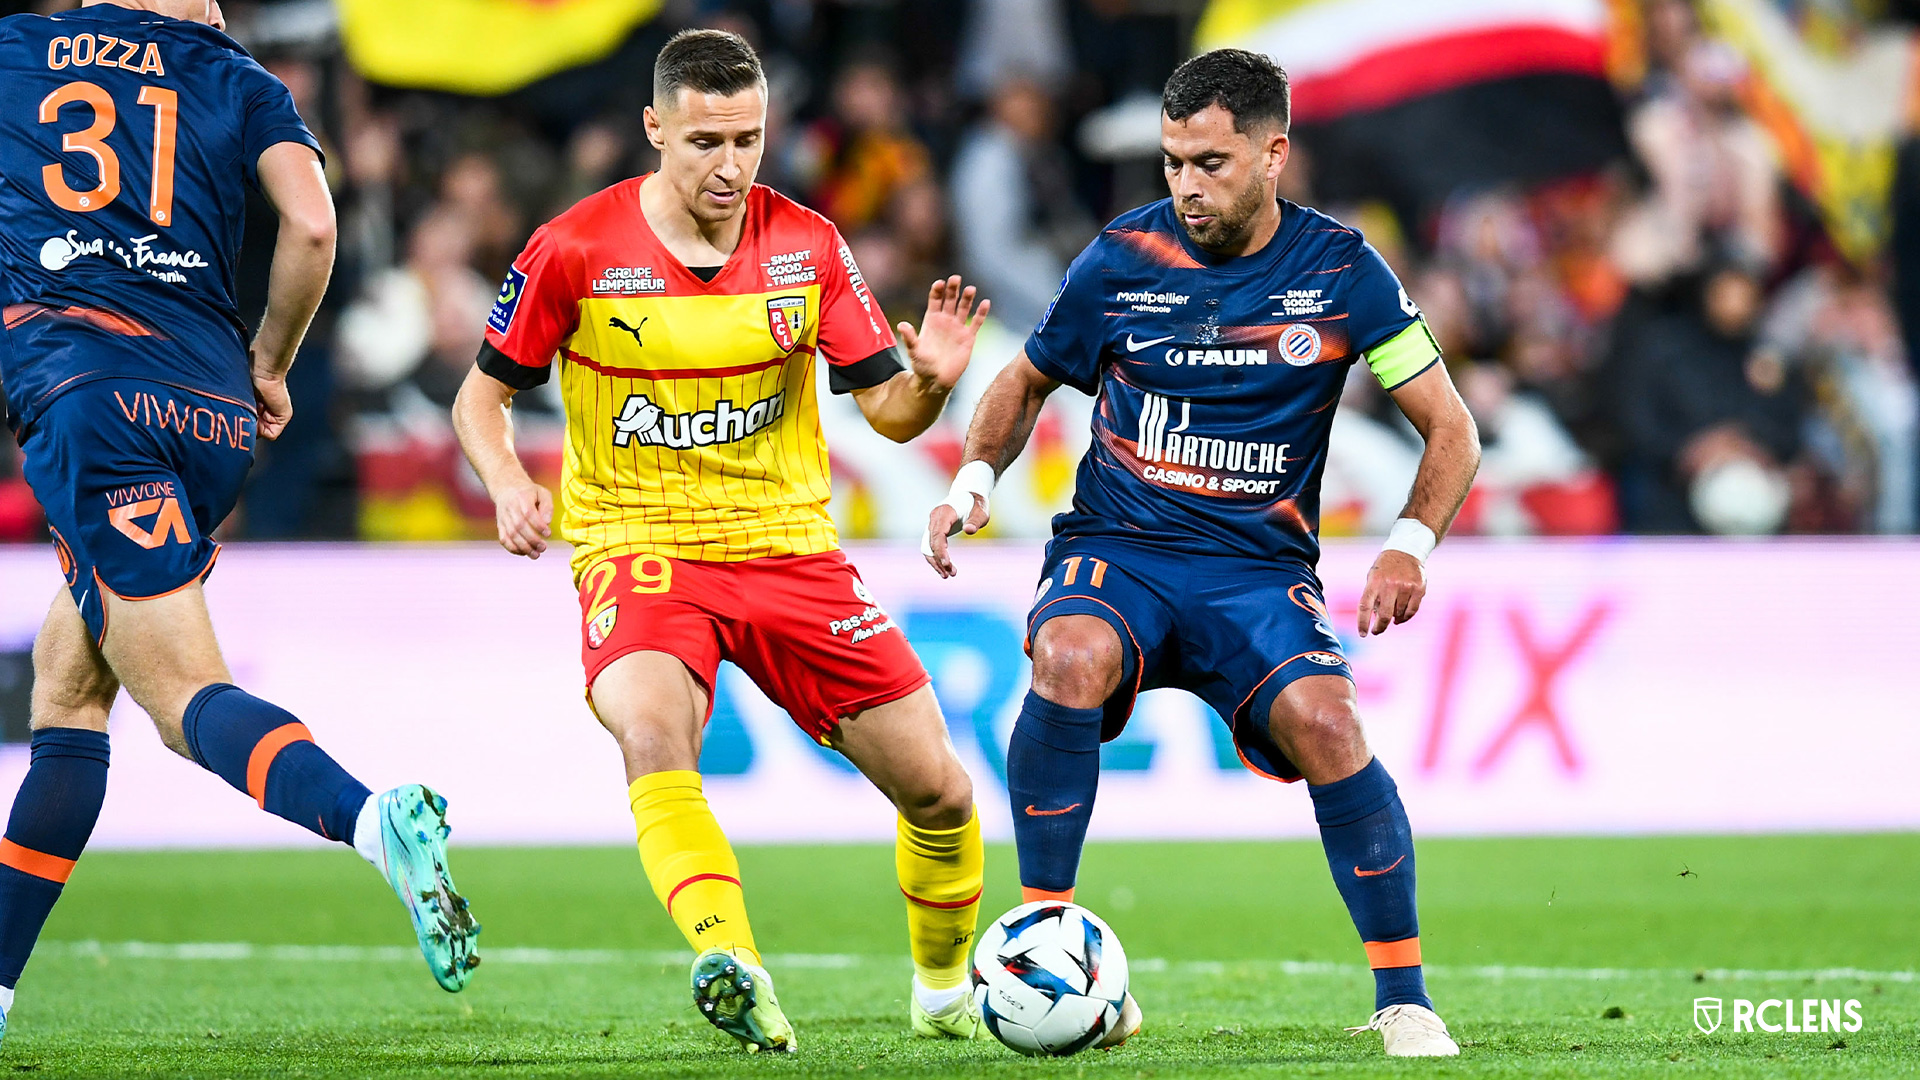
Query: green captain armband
{"type": "Point", "coordinates": [1404, 355]}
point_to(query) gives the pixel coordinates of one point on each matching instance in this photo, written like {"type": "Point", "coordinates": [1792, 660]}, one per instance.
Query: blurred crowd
{"type": "Point", "coordinates": [1666, 346]}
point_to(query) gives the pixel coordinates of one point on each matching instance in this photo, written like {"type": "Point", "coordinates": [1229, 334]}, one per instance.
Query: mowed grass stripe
{"type": "Point", "coordinates": [247, 952]}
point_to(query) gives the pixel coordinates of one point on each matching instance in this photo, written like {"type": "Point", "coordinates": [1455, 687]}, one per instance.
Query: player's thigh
{"type": "Point", "coordinates": [650, 649]}
{"type": "Point", "coordinates": [903, 747]}
{"type": "Point", "coordinates": [72, 685]}
{"type": "Point", "coordinates": [655, 708]}
{"type": "Point", "coordinates": [164, 651]}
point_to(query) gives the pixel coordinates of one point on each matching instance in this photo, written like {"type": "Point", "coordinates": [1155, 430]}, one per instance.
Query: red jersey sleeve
{"type": "Point", "coordinates": [854, 335]}
{"type": "Point", "coordinates": [536, 310]}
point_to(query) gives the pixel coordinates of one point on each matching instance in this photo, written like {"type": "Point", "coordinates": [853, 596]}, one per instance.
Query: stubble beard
{"type": "Point", "coordinates": [1230, 228]}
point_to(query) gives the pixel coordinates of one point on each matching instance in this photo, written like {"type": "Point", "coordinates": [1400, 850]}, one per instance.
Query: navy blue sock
{"type": "Point", "coordinates": [1369, 847]}
{"type": "Point", "coordinates": [266, 752]}
{"type": "Point", "coordinates": [53, 815]}
{"type": "Point", "coordinates": [1053, 771]}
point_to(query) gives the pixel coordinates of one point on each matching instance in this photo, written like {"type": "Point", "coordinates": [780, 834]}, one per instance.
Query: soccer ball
{"type": "Point", "coordinates": [1049, 978]}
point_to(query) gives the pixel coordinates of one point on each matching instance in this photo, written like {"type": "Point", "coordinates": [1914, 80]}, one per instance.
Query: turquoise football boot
{"type": "Point", "coordinates": [413, 841]}
{"type": "Point", "coordinates": [736, 996]}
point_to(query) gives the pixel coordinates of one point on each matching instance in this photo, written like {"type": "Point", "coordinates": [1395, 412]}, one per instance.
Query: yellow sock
{"type": "Point", "coordinates": [941, 871]}
{"type": "Point", "coordinates": [689, 862]}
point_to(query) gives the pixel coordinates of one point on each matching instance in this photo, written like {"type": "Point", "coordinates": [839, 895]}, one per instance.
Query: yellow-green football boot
{"type": "Point", "coordinates": [736, 996]}
{"type": "Point", "coordinates": [957, 1020]}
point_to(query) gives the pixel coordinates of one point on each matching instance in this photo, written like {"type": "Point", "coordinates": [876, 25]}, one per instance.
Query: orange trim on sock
{"type": "Point", "coordinates": [945, 905]}
{"type": "Point", "coordinates": [265, 751]}
{"type": "Point", "coordinates": [38, 863]}
{"type": "Point", "coordinates": [1028, 896]}
{"type": "Point", "coordinates": [694, 878]}
{"type": "Point", "coordinates": [1394, 954]}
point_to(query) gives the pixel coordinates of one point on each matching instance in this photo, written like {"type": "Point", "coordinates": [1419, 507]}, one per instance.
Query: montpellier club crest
{"type": "Point", "coordinates": [1300, 345]}
{"type": "Point", "coordinates": [787, 320]}
{"type": "Point", "coordinates": [1706, 1015]}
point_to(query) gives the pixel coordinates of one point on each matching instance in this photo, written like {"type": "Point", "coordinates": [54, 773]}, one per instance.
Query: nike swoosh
{"type": "Point", "coordinates": [1357, 872]}
{"type": "Point", "coordinates": [1136, 346]}
{"type": "Point", "coordinates": [1031, 812]}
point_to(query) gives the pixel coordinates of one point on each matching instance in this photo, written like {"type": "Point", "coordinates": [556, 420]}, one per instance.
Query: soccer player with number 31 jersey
{"type": "Point", "coordinates": [129, 134]}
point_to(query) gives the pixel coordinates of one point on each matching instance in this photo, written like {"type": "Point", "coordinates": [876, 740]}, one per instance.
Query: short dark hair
{"type": "Point", "coordinates": [706, 62]}
{"type": "Point", "coordinates": [1248, 85]}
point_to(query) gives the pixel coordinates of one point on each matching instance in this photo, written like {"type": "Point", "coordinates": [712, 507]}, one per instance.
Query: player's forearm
{"type": "Point", "coordinates": [1004, 419]}
{"type": "Point", "coordinates": [302, 264]}
{"type": "Point", "coordinates": [483, 422]}
{"type": "Point", "coordinates": [1446, 472]}
{"type": "Point", "coordinates": [904, 406]}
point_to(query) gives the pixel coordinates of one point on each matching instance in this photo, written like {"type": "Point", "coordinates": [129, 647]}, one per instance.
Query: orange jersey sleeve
{"type": "Point", "coordinates": [537, 310]}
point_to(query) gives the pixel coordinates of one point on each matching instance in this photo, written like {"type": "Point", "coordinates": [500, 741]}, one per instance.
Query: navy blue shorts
{"type": "Point", "coordinates": [1232, 631]}
{"type": "Point", "coordinates": [134, 475]}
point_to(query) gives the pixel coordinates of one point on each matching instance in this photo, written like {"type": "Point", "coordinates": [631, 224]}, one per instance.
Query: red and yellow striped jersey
{"type": "Point", "coordinates": [692, 427]}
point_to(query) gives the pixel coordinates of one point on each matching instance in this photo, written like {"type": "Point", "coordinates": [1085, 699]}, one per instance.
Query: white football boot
{"type": "Point", "coordinates": [1411, 1031]}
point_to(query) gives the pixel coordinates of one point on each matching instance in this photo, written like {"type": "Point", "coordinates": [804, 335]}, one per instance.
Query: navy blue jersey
{"type": "Point", "coordinates": [1217, 379]}
{"type": "Point", "coordinates": [125, 139]}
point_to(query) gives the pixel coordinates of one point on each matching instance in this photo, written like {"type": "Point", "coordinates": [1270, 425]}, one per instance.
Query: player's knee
{"type": "Point", "coordinates": [1076, 662]}
{"type": "Point", "coordinates": [1323, 731]}
{"type": "Point", "coordinates": [946, 803]}
{"type": "Point", "coordinates": [71, 686]}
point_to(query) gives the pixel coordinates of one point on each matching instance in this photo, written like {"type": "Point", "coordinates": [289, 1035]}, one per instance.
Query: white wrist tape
{"type": "Point", "coordinates": [974, 478]}
{"type": "Point", "coordinates": [1413, 537]}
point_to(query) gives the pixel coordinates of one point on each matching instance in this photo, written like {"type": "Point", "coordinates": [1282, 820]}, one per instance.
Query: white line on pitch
{"type": "Point", "coordinates": [242, 951]}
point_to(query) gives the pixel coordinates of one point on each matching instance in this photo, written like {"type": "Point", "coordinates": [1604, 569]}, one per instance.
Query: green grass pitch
{"type": "Point", "coordinates": [1549, 958]}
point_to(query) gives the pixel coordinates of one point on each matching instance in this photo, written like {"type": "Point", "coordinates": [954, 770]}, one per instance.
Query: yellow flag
{"type": "Point", "coordinates": [482, 46]}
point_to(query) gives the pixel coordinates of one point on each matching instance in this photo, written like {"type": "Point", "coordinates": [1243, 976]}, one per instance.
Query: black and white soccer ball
{"type": "Point", "coordinates": [1049, 978]}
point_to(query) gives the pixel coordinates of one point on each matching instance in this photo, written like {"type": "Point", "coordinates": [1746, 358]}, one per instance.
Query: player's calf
{"type": "Point", "coordinates": [53, 815]}
{"type": "Point", "coordinates": [59, 800]}
{"type": "Point", "coordinates": [1053, 757]}
{"type": "Point", "coordinates": [1363, 827]}
{"type": "Point", "coordinates": [902, 746]}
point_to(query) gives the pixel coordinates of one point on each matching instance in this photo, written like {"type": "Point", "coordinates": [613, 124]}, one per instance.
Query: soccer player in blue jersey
{"type": "Point", "coordinates": [1216, 329]}
{"type": "Point", "coordinates": [128, 134]}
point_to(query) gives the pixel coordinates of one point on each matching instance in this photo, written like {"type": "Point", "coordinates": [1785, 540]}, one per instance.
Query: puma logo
{"type": "Point", "coordinates": [618, 323]}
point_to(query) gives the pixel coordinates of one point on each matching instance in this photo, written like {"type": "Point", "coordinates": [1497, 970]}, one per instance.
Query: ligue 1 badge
{"type": "Point", "coordinates": [787, 319]}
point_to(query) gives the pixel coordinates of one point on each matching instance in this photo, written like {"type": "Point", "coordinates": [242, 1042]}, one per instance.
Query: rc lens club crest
{"type": "Point", "coordinates": [787, 320]}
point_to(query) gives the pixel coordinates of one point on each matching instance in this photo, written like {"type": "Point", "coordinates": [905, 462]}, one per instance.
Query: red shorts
{"type": "Point", "coordinates": [803, 627]}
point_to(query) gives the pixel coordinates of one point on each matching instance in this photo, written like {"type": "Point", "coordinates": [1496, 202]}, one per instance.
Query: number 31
{"type": "Point", "coordinates": [92, 142]}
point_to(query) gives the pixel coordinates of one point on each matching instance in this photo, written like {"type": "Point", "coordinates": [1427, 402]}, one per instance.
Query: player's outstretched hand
{"type": "Point", "coordinates": [1395, 586]}
{"type": "Point", "coordinates": [945, 522]}
{"type": "Point", "coordinates": [944, 343]}
{"type": "Point", "coordinates": [525, 517]}
{"type": "Point", "coordinates": [273, 403]}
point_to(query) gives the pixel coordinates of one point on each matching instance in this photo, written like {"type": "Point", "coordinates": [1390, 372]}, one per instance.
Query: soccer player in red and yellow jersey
{"type": "Point", "coordinates": [687, 310]}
